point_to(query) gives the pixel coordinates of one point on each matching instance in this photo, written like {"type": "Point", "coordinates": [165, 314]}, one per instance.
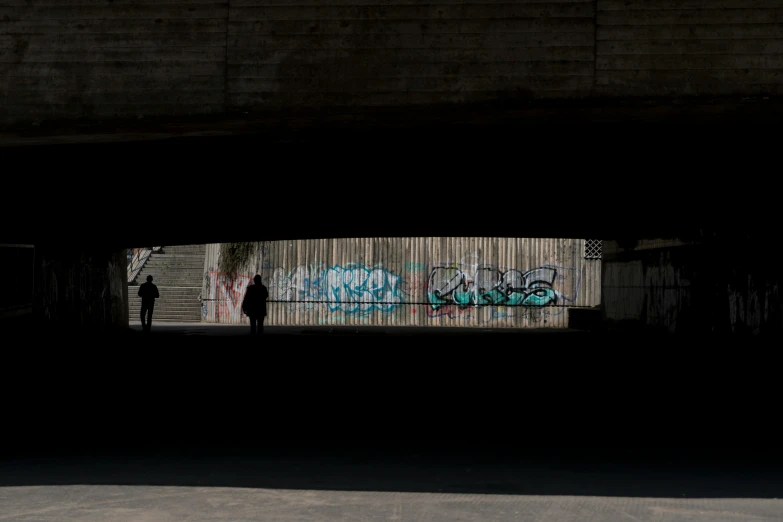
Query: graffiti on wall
{"type": "Point", "coordinates": [227, 292]}
{"type": "Point", "coordinates": [752, 307]}
{"type": "Point", "coordinates": [454, 290]}
{"type": "Point", "coordinates": [351, 289]}
{"type": "Point", "coordinates": [414, 267]}
{"type": "Point", "coordinates": [80, 288]}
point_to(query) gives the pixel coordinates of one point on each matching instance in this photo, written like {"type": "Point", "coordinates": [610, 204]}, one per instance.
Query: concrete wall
{"type": "Point", "coordinates": [729, 286]}
{"type": "Point", "coordinates": [425, 281]}
{"type": "Point", "coordinates": [16, 297]}
{"type": "Point", "coordinates": [80, 289]}
{"type": "Point", "coordinates": [689, 47]}
{"type": "Point", "coordinates": [130, 58]}
{"type": "Point", "coordinates": [111, 58]}
{"type": "Point", "coordinates": [359, 52]}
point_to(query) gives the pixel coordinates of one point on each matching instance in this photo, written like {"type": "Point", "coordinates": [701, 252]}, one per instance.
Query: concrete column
{"type": "Point", "coordinates": [80, 289]}
{"type": "Point", "coordinates": [722, 283]}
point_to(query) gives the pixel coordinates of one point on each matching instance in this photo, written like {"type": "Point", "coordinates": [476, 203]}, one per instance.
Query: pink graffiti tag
{"type": "Point", "coordinates": [229, 293]}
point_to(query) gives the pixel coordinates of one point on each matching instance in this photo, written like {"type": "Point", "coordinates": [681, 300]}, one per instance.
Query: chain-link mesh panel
{"type": "Point", "coordinates": [593, 248]}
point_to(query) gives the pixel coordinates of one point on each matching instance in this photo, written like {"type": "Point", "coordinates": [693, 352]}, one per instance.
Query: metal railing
{"type": "Point", "coordinates": [136, 259]}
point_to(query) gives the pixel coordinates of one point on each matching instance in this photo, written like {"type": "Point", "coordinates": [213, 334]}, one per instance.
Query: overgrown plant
{"type": "Point", "coordinates": [234, 256]}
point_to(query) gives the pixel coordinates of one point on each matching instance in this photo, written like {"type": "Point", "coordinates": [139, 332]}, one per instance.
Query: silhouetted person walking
{"type": "Point", "coordinates": [148, 293]}
{"type": "Point", "coordinates": [254, 305]}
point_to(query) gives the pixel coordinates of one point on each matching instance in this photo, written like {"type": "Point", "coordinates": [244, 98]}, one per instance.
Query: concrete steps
{"type": "Point", "coordinates": [178, 272]}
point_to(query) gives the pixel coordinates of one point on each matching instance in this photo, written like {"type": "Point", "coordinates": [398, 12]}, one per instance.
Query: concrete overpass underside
{"type": "Point", "coordinates": [654, 126]}
{"type": "Point", "coordinates": [686, 208]}
{"type": "Point", "coordinates": [671, 169]}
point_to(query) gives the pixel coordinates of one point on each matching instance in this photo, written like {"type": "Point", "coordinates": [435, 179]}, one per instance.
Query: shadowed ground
{"type": "Point", "coordinates": [207, 423]}
{"type": "Point", "coordinates": [394, 480]}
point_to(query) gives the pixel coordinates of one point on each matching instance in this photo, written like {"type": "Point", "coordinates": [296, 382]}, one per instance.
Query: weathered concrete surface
{"type": "Point", "coordinates": [80, 288]}
{"type": "Point", "coordinates": [111, 59]}
{"type": "Point", "coordinates": [350, 53]}
{"type": "Point", "coordinates": [726, 285]}
{"type": "Point", "coordinates": [86, 503]}
{"type": "Point", "coordinates": [308, 125]}
{"type": "Point", "coordinates": [16, 299]}
{"type": "Point", "coordinates": [139, 59]}
{"type": "Point", "coordinates": [374, 479]}
{"type": "Point", "coordinates": [150, 58]}
{"type": "Point", "coordinates": [697, 47]}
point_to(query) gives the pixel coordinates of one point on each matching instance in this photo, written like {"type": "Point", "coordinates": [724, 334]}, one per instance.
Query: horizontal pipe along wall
{"type": "Point", "coordinates": [412, 281]}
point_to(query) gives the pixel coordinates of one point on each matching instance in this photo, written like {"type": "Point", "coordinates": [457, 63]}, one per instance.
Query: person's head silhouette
{"type": "Point", "coordinates": [149, 278]}
{"type": "Point", "coordinates": [257, 279]}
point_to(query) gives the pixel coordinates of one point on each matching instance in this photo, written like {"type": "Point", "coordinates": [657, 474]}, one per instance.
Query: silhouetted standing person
{"type": "Point", "coordinates": [148, 293]}
{"type": "Point", "coordinates": [254, 305]}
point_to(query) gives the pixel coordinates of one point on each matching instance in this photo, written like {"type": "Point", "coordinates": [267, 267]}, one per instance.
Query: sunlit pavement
{"type": "Point", "coordinates": [230, 330]}
{"type": "Point", "coordinates": [352, 485]}
{"type": "Point", "coordinates": [164, 503]}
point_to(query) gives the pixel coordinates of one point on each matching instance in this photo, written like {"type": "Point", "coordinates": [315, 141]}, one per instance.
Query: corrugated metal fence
{"type": "Point", "coordinates": [412, 281]}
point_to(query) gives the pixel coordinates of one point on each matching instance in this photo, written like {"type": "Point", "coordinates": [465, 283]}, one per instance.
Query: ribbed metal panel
{"type": "Point", "coordinates": [482, 282]}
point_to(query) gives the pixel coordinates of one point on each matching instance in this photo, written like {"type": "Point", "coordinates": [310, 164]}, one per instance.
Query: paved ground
{"type": "Point", "coordinates": [174, 425]}
{"type": "Point", "coordinates": [204, 423]}
{"type": "Point", "coordinates": [362, 480]}
{"type": "Point", "coordinates": [171, 329]}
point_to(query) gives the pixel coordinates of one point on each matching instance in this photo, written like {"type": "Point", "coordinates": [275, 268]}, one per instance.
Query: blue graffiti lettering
{"type": "Point", "coordinates": [353, 289]}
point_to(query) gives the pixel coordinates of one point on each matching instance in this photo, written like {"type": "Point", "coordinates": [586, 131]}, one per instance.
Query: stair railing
{"type": "Point", "coordinates": [136, 259]}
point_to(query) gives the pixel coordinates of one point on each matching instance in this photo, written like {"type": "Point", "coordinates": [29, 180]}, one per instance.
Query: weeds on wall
{"type": "Point", "coordinates": [234, 257]}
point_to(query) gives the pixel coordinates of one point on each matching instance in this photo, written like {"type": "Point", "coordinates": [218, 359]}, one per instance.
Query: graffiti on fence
{"type": "Point", "coordinates": [498, 314]}
{"type": "Point", "coordinates": [411, 266]}
{"type": "Point", "coordinates": [453, 290]}
{"type": "Point", "coordinates": [227, 293]}
{"type": "Point", "coordinates": [351, 289]}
